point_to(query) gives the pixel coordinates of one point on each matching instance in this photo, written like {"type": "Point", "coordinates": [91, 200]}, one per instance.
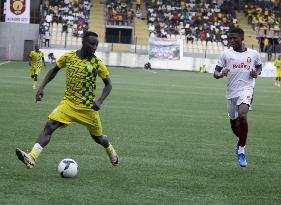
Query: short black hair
{"type": "Point", "coordinates": [90, 33]}
{"type": "Point", "coordinates": [238, 30]}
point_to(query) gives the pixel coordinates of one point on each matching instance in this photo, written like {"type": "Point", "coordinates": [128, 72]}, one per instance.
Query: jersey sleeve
{"type": "Point", "coordinates": [222, 60]}
{"type": "Point", "coordinates": [102, 71]}
{"type": "Point", "coordinates": [257, 59]}
{"type": "Point", "coordinates": [31, 54]}
{"type": "Point", "coordinates": [61, 62]}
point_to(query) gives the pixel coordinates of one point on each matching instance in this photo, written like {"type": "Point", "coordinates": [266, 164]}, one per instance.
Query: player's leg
{"type": "Point", "coordinates": [233, 118]}
{"type": "Point", "coordinates": [58, 118]}
{"type": "Point", "coordinates": [35, 81]}
{"type": "Point", "coordinates": [278, 78]}
{"type": "Point", "coordinates": [252, 100]}
{"type": "Point", "coordinates": [234, 126]}
{"type": "Point", "coordinates": [242, 133]}
{"type": "Point", "coordinates": [96, 133]}
{"type": "Point", "coordinates": [44, 138]}
{"type": "Point", "coordinates": [36, 74]}
{"type": "Point", "coordinates": [103, 141]}
{"type": "Point", "coordinates": [32, 74]}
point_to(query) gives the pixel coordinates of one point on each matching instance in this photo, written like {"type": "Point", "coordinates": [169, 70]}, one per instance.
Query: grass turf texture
{"type": "Point", "coordinates": [169, 128]}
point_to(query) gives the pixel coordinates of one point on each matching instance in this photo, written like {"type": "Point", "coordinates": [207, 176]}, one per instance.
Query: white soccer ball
{"type": "Point", "coordinates": [68, 168]}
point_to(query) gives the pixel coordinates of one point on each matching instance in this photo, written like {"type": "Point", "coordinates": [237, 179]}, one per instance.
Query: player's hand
{"type": "Point", "coordinates": [225, 72]}
{"type": "Point", "coordinates": [253, 73]}
{"type": "Point", "coordinates": [96, 105]}
{"type": "Point", "coordinates": [39, 95]}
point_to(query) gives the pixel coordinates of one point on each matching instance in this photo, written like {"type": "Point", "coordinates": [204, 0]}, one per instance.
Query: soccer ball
{"type": "Point", "coordinates": [68, 168]}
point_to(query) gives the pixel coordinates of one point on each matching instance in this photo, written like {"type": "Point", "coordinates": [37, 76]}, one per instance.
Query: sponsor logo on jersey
{"type": "Point", "coordinates": [241, 66]}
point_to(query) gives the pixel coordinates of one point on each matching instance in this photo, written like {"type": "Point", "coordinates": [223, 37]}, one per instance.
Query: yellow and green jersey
{"type": "Point", "coordinates": [36, 58]}
{"type": "Point", "coordinates": [277, 63]}
{"type": "Point", "coordinates": [81, 77]}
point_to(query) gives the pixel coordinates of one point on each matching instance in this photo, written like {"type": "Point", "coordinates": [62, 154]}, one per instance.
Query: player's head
{"type": "Point", "coordinates": [236, 38]}
{"type": "Point", "coordinates": [36, 47]}
{"type": "Point", "coordinates": [90, 42]}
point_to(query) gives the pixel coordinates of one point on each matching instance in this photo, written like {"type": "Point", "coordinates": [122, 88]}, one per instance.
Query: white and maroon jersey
{"type": "Point", "coordinates": [239, 64]}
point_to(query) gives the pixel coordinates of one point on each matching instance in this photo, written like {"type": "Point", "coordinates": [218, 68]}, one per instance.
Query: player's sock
{"type": "Point", "coordinates": [36, 150]}
{"type": "Point", "coordinates": [112, 155]}
{"type": "Point", "coordinates": [34, 84]}
{"type": "Point", "coordinates": [241, 150]}
{"type": "Point", "coordinates": [243, 133]}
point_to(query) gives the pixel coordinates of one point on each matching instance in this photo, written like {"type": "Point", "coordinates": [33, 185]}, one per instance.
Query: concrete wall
{"type": "Point", "coordinates": [133, 60]}
{"type": "Point", "coordinates": [13, 35]}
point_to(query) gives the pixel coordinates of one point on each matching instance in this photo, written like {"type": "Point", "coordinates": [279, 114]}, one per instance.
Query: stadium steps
{"type": "Point", "coordinates": [250, 35]}
{"type": "Point", "coordinates": [141, 27]}
{"type": "Point", "coordinates": [97, 19]}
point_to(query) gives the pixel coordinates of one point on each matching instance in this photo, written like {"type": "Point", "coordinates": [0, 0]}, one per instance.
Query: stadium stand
{"type": "Point", "coordinates": [195, 22]}
{"type": "Point", "coordinates": [65, 20]}
{"type": "Point", "coordinates": [264, 17]}
{"type": "Point", "coordinates": [202, 25]}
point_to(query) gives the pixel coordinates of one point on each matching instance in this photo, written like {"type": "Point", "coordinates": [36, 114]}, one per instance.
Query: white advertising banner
{"type": "Point", "coordinates": [18, 11]}
{"type": "Point", "coordinates": [165, 49]}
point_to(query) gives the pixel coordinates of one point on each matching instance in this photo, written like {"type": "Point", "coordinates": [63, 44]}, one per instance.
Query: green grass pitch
{"type": "Point", "coordinates": [170, 129]}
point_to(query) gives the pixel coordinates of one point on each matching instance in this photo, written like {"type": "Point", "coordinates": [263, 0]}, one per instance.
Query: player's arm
{"type": "Point", "coordinates": [43, 60]}
{"type": "Point", "coordinates": [105, 92]}
{"type": "Point", "coordinates": [219, 73]}
{"type": "Point", "coordinates": [29, 60]}
{"type": "Point", "coordinates": [256, 72]}
{"type": "Point", "coordinates": [49, 76]}
{"type": "Point", "coordinates": [259, 69]}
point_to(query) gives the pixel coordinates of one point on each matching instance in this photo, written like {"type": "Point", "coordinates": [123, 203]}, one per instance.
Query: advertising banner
{"type": "Point", "coordinates": [165, 49]}
{"type": "Point", "coordinates": [17, 11]}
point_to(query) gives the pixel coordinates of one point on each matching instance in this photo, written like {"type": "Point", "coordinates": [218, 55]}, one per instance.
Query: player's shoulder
{"type": "Point", "coordinates": [228, 51]}
{"type": "Point", "coordinates": [70, 54]}
{"type": "Point", "coordinates": [96, 60]}
{"type": "Point", "coordinates": [250, 50]}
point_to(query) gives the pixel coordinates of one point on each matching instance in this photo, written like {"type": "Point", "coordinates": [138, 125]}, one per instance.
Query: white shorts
{"type": "Point", "coordinates": [233, 103]}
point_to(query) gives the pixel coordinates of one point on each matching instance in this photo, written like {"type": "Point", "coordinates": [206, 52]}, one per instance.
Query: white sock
{"type": "Point", "coordinates": [36, 150]}
{"type": "Point", "coordinates": [241, 150]}
{"type": "Point", "coordinates": [38, 147]}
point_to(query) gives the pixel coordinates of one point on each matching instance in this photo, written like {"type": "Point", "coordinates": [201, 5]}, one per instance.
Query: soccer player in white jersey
{"type": "Point", "coordinates": [241, 65]}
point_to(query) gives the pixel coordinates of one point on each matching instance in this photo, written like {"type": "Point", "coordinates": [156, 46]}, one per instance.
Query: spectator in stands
{"type": "Point", "coordinates": [64, 28]}
{"type": "Point", "coordinates": [189, 37]}
{"type": "Point", "coordinates": [138, 5]}
{"type": "Point", "coordinates": [49, 19]}
{"type": "Point", "coordinates": [265, 44]}
{"type": "Point", "coordinates": [47, 38]}
{"type": "Point", "coordinates": [269, 51]}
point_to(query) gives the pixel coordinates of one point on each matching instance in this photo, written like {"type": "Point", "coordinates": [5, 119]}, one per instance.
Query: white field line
{"type": "Point", "coordinates": [5, 62]}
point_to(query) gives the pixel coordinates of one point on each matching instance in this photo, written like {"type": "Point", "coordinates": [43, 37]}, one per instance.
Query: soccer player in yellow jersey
{"type": "Point", "coordinates": [80, 103]}
{"type": "Point", "coordinates": [36, 58]}
{"type": "Point", "coordinates": [277, 63]}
